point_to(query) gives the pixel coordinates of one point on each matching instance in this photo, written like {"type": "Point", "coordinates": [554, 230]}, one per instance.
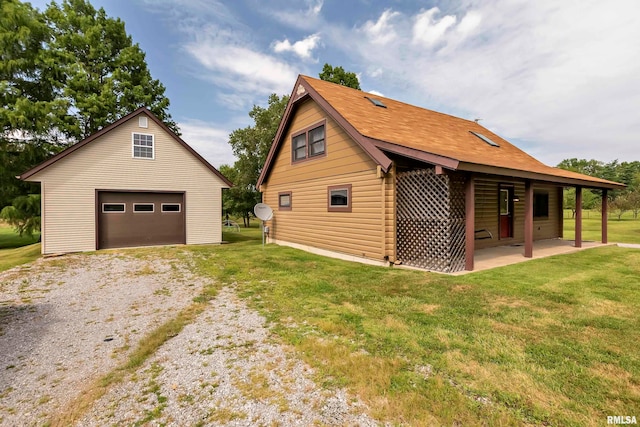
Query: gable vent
{"type": "Point", "coordinates": [485, 139]}
{"type": "Point", "coordinates": [143, 122]}
{"type": "Point", "coordinates": [376, 102]}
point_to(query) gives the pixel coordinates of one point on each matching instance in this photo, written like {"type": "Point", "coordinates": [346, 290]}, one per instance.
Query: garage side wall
{"type": "Point", "coordinates": [69, 186]}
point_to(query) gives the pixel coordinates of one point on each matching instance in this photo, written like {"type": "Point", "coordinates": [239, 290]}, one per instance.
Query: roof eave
{"type": "Point", "coordinates": [64, 153]}
{"type": "Point", "coordinates": [537, 176]}
{"type": "Point", "coordinates": [301, 91]}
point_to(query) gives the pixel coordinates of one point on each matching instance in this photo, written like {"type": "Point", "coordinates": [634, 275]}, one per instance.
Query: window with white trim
{"type": "Point", "coordinates": [143, 146]}
{"type": "Point", "coordinates": [171, 207]}
{"type": "Point", "coordinates": [143, 207]}
{"type": "Point", "coordinates": [113, 207]}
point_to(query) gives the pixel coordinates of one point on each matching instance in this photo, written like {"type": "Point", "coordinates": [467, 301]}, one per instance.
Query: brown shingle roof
{"type": "Point", "coordinates": [431, 132]}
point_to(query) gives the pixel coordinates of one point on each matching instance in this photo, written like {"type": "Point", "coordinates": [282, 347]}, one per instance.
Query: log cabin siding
{"type": "Point", "coordinates": [69, 187]}
{"type": "Point", "coordinates": [487, 209]}
{"type": "Point", "coordinates": [360, 232]}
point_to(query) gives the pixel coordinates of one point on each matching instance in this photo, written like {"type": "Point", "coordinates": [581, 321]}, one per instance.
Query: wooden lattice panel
{"type": "Point", "coordinates": [430, 220]}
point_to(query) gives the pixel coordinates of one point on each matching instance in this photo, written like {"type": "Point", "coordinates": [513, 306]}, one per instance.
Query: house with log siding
{"type": "Point", "coordinates": [369, 178]}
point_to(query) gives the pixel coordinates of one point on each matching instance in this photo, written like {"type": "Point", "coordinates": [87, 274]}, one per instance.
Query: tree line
{"type": "Point", "coordinates": [619, 201]}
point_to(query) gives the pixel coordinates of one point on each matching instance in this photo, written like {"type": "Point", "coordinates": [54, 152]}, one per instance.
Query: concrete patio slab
{"type": "Point", "coordinates": [512, 254]}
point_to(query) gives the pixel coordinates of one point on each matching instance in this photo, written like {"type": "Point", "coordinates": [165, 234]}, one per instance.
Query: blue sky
{"type": "Point", "coordinates": [559, 79]}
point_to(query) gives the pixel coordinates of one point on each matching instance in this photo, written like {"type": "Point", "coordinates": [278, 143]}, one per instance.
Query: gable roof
{"type": "Point", "coordinates": [142, 110]}
{"type": "Point", "coordinates": [421, 134]}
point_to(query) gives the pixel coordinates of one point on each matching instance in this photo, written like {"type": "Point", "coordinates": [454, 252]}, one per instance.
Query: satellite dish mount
{"type": "Point", "coordinates": [264, 213]}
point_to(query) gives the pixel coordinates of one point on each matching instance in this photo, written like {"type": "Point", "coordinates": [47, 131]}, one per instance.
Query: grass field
{"type": "Point", "coordinates": [547, 342]}
{"type": "Point", "coordinates": [625, 230]}
{"type": "Point", "coordinates": [16, 250]}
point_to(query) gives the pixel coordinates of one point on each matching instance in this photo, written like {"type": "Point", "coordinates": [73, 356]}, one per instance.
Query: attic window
{"type": "Point", "coordinates": [485, 139]}
{"type": "Point", "coordinates": [142, 122]}
{"type": "Point", "coordinates": [376, 102]}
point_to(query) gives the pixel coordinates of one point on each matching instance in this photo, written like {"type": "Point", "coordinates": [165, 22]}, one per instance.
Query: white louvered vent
{"type": "Point", "coordinates": [143, 122]}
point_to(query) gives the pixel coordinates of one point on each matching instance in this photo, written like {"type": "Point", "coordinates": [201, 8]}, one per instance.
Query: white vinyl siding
{"type": "Point", "coordinates": [69, 187]}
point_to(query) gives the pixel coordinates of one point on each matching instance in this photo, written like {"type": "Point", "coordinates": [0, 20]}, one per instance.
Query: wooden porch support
{"type": "Point", "coordinates": [528, 219]}
{"type": "Point", "coordinates": [578, 216]}
{"type": "Point", "coordinates": [470, 219]}
{"type": "Point", "coordinates": [604, 216]}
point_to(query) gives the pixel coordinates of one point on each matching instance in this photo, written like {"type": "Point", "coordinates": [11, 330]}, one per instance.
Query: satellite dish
{"type": "Point", "coordinates": [263, 211]}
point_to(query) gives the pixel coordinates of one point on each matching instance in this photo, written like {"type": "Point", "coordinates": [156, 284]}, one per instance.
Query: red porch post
{"type": "Point", "coordinates": [470, 219]}
{"type": "Point", "coordinates": [604, 216]}
{"type": "Point", "coordinates": [528, 219]}
{"type": "Point", "coordinates": [578, 216]}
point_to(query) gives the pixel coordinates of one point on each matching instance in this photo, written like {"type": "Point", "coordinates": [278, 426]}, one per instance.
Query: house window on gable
{"type": "Point", "coordinates": [143, 146]}
{"type": "Point", "coordinates": [540, 205]}
{"type": "Point", "coordinates": [284, 201]}
{"type": "Point", "coordinates": [308, 143]}
{"type": "Point", "coordinates": [339, 198]}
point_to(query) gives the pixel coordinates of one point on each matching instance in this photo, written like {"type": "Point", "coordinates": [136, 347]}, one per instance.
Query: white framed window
{"type": "Point", "coordinates": [171, 207]}
{"type": "Point", "coordinates": [142, 147]}
{"type": "Point", "coordinates": [143, 207]}
{"type": "Point", "coordinates": [143, 121]}
{"type": "Point", "coordinates": [113, 208]}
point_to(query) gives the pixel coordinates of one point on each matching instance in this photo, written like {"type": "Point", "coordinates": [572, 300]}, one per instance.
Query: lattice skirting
{"type": "Point", "coordinates": [430, 220]}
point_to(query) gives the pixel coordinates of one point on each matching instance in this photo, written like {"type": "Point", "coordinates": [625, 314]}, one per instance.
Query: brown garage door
{"type": "Point", "coordinates": [128, 219]}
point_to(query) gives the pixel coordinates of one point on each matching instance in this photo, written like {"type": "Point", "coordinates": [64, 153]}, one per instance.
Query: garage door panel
{"type": "Point", "coordinates": [149, 224]}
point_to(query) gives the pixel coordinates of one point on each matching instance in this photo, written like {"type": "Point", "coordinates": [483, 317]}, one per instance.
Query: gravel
{"type": "Point", "coordinates": [65, 322]}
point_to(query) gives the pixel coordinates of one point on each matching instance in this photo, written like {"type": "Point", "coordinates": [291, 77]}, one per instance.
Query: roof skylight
{"type": "Point", "coordinates": [376, 102]}
{"type": "Point", "coordinates": [485, 139]}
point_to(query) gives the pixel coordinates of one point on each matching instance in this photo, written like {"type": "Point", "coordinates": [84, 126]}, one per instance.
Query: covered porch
{"type": "Point", "coordinates": [528, 245]}
{"type": "Point", "coordinates": [500, 256]}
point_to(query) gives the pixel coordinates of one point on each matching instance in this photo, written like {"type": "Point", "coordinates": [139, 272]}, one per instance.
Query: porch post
{"type": "Point", "coordinates": [528, 219]}
{"type": "Point", "coordinates": [604, 216]}
{"type": "Point", "coordinates": [470, 219]}
{"type": "Point", "coordinates": [578, 216]}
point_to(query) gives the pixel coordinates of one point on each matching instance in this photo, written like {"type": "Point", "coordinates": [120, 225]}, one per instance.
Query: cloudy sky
{"type": "Point", "coordinates": [560, 79]}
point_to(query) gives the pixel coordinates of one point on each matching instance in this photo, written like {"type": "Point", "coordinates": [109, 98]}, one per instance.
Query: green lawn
{"type": "Point", "coordinates": [625, 230]}
{"type": "Point", "coordinates": [547, 342]}
{"type": "Point", "coordinates": [16, 250]}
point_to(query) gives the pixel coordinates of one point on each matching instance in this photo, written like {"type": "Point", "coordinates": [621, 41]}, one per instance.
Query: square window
{"type": "Point", "coordinates": [339, 198]}
{"type": "Point", "coordinates": [541, 205]}
{"type": "Point", "coordinates": [284, 201]}
{"type": "Point", "coordinates": [308, 143]}
{"type": "Point", "coordinates": [143, 146]}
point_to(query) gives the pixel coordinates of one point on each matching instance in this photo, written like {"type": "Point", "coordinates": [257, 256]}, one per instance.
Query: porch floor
{"type": "Point", "coordinates": [512, 254]}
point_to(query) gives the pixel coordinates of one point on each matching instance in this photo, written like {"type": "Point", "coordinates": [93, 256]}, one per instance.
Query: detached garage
{"type": "Point", "coordinates": [134, 183]}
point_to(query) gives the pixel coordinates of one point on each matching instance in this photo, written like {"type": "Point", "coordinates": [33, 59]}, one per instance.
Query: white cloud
{"type": "Point", "coordinates": [303, 48]}
{"type": "Point", "coordinates": [428, 30]}
{"type": "Point", "coordinates": [381, 31]}
{"type": "Point", "coordinates": [210, 142]}
{"type": "Point", "coordinates": [241, 68]}
{"type": "Point", "coordinates": [302, 19]}
{"type": "Point", "coordinates": [562, 76]}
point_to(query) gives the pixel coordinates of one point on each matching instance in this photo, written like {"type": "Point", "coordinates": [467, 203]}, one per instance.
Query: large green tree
{"type": "Point", "coordinates": [340, 76]}
{"type": "Point", "coordinates": [64, 74]}
{"type": "Point", "coordinates": [251, 146]}
{"type": "Point", "coordinates": [103, 74]}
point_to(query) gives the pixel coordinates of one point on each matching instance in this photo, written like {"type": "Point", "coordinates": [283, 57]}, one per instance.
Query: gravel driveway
{"type": "Point", "coordinates": [66, 322]}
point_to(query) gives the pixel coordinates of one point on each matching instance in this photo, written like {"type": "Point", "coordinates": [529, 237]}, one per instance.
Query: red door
{"type": "Point", "coordinates": [506, 212]}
